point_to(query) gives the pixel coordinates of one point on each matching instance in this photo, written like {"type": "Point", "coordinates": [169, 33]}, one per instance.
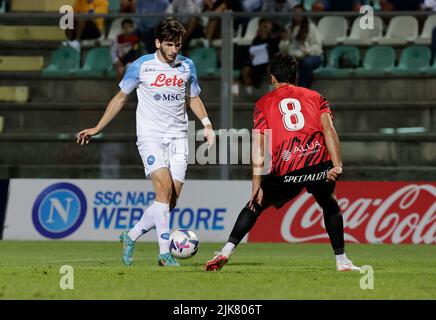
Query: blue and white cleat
{"type": "Point", "coordinates": [128, 246]}
{"type": "Point", "coordinates": [167, 260]}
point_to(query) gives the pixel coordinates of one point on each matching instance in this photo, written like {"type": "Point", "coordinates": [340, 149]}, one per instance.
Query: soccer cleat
{"type": "Point", "coordinates": [128, 246]}
{"type": "Point", "coordinates": [167, 260]}
{"type": "Point", "coordinates": [346, 265]}
{"type": "Point", "coordinates": [217, 262]}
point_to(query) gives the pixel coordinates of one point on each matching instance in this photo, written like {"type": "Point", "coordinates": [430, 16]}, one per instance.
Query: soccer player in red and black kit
{"type": "Point", "coordinates": [305, 153]}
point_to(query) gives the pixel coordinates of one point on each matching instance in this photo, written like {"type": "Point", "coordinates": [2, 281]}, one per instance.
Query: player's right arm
{"type": "Point", "coordinates": [333, 146]}
{"type": "Point", "coordinates": [114, 107]}
{"type": "Point", "coordinates": [127, 85]}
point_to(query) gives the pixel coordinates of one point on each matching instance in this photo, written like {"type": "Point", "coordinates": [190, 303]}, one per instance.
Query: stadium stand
{"type": "Point", "coordinates": [364, 101]}
{"type": "Point", "coordinates": [332, 28]}
{"type": "Point", "coordinates": [114, 6]}
{"type": "Point", "coordinates": [431, 70]}
{"type": "Point", "coordinates": [349, 53]}
{"type": "Point", "coordinates": [308, 4]}
{"type": "Point", "coordinates": [250, 33]}
{"type": "Point", "coordinates": [377, 60]}
{"type": "Point", "coordinates": [64, 61]}
{"type": "Point", "coordinates": [20, 64]}
{"type": "Point", "coordinates": [39, 5]}
{"type": "Point", "coordinates": [401, 30]}
{"type": "Point", "coordinates": [412, 60]}
{"type": "Point", "coordinates": [98, 63]}
{"type": "Point", "coordinates": [31, 33]}
{"type": "Point", "coordinates": [14, 94]}
{"type": "Point", "coordinates": [205, 60]}
{"type": "Point", "coordinates": [425, 36]}
{"type": "Point", "coordinates": [359, 36]}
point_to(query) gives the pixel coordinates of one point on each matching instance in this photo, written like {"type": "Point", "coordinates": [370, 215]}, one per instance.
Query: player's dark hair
{"type": "Point", "coordinates": [169, 29]}
{"type": "Point", "coordinates": [127, 21]}
{"type": "Point", "coordinates": [284, 68]}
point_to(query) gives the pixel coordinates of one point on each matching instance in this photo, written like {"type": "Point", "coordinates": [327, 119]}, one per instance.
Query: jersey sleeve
{"type": "Point", "coordinates": [131, 78]}
{"type": "Point", "coordinates": [194, 87]}
{"type": "Point", "coordinates": [260, 122]}
{"type": "Point", "coordinates": [324, 106]}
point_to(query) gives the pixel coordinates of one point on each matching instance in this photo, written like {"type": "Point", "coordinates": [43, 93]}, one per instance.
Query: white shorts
{"type": "Point", "coordinates": [169, 153]}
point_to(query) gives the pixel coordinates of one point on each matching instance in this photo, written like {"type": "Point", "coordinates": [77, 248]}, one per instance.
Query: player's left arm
{"type": "Point", "coordinates": [197, 106]}
{"type": "Point", "coordinates": [333, 146]}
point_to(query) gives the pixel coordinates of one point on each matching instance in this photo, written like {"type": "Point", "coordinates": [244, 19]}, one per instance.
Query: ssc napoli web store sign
{"type": "Point", "coordinates": [102, 209]}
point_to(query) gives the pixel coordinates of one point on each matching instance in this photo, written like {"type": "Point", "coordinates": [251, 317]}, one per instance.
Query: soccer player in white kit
{"type": "Point", "coordinates": [162, 80]}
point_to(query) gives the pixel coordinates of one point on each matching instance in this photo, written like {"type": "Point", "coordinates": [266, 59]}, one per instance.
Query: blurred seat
{"type": "Point", "coordinates": [39, 5]}
{"type": "Point", "coordinates": [217, 43]}
{"type": "Point", "coordinates": [250, 33]}
{"type": "Point", "coordinates": [21, 64]}
{"type": "Point", "coordinates": [429, 25]}
{"type": "Point", "coordinates": [332, 28]}
{"type": "Point", "coordinates": [333, 69]}
{"type": "Point", "coordinates": [114, 5]}
{"type": "Point", "coordinates": [376, 4]}
{"type": "Point", "coordinates": [412, 61]}
{"type": "Point", "coordinates": [14, 94]}
{"type": "Point", "coordinates": [359, 36]}
{"type": "Point", "coordinates": [205, 60]}
{"type": "Point", "coordinates": [431, 70]}
{"type": "Point", "coordinates": [308, 4]}
{"type": "Point", "coordinates": [98, 63]}
{"type": "Point", "coordinates": [377, 60]}
{"type": "Point", "coordinates": [31, 33]}
{"type": "Point", "coordinates": [401, 30]}
{"type": "Point", "coordinates": [64, 62]}
{"type": "Point", "coordinates": [3, 6]}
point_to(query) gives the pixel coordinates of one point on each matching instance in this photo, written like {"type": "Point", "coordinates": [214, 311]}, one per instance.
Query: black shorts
{"type": "Point", "coordinates": [278, 190]}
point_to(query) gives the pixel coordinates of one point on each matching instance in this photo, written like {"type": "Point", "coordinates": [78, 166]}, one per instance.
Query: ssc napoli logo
{"type": "Point", "coordinates": [157, 97]}
{"type": "Point", "coordinates": [181, 68]}
{"type": "Point", "coordinates": [150, 160]}
{"type": "Point", "coordinates": [59, 210]}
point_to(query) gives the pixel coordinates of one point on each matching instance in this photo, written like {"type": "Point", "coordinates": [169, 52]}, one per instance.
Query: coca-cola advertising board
{"type": "Point", "coordinates": [373, 212]}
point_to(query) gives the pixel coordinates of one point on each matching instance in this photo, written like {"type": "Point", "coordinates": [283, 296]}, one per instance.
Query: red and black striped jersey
{"type": "Point", "coordinates": [292, 116]}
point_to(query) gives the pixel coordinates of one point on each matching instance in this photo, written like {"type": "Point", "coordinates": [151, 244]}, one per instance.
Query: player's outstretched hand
{"type": "Point", "coordinates": [334, 174]}
{"type": "Point", "coordinates": [209, 134]}
{"type": "Point", "coordinates": [84, 136]}
{"type": "Point", "coordinates": [256, 197]}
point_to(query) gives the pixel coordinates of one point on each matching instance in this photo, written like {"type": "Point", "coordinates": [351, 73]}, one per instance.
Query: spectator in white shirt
{"type": "Point", "coordinates": [303, 41]}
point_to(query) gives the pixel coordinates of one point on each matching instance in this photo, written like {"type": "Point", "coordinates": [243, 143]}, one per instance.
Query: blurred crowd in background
{"type": "Point", "coordinates": [296, 35]}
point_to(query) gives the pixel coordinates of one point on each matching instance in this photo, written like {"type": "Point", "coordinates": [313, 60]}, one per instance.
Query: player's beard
{"type": "Point", "coordinates": [167, 56]}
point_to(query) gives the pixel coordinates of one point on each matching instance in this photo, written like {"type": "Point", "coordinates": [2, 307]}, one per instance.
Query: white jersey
{"type": "Point", "coordinates": [162, 89]}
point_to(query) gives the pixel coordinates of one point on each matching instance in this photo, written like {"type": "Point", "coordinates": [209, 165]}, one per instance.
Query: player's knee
{"type": "Point", "coordinates": [331, 207]}
{"type": "Point", "coordinates": [257, 210]}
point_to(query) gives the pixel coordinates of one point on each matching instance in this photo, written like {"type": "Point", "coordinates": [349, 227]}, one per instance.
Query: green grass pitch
{"type": "Point", "coordinates": [30, 270]}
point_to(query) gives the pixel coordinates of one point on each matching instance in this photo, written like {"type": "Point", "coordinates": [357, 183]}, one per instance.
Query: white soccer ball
{"type": "Point", "coordinates": [183, 244]}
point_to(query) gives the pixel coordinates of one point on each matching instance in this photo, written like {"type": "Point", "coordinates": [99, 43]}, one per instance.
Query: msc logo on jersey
{"type": "Point", "coordinates": [59, 210]}
{"type": "Point", "coordinates": [168, 97]}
